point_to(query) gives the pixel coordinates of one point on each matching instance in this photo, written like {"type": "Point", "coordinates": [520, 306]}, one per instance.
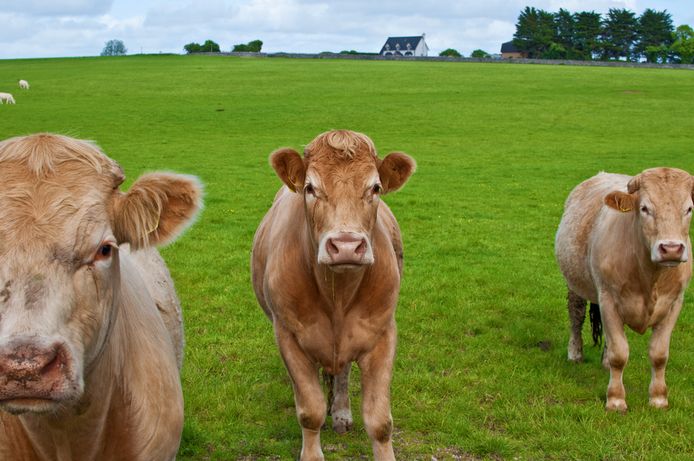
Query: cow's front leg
{"type": "Point", "coordinates": [308, 395]}
{"type": "Point", "coordinates": [617, 354]}
{"type": "Point", "coordinates": [376, 372]}
{"type": "Point", "coordinates": [658, 352]}
{"type": "Point", "coordinates": [340, 409]}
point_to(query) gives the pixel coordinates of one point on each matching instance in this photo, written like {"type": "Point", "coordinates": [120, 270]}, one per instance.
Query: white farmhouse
{"type": "Point", "coordinates": [405, 46]}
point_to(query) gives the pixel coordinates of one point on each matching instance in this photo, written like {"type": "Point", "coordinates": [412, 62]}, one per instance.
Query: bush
{"type": "Point", "coordinates": [451, 52]}
{"type": "Point", "coordinates": [252, 47]}
{"type": "Point", "coordinates": [208, 47]}
{"type": "Point", "coordinates": [480, 54]}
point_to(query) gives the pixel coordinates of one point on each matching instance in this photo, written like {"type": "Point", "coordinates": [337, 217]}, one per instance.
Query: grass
{"type": "Point", "coordinates": [481, 369]}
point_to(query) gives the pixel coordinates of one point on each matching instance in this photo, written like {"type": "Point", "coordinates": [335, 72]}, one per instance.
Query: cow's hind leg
{"type": "Point", "coordinates": [340, 405]}
{"type": "Point", "coordinates": [577, 315]}
{"type": "Point", "coordinates": [308, 394]}
{"type": "Point", "coordinates": [376, 373]}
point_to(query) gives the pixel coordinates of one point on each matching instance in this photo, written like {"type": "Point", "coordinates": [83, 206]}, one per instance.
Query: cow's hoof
{"type": "Point", "coordinates": [342, 422]}
{"type": "Point", "coordinates": [575, 357]}
{"type": "Point", "coordinates": [619, 405]}
{"type": "Point", "coordinates": [658, 402]}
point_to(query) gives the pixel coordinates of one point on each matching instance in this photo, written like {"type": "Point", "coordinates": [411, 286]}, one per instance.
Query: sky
{"type": "Point", "coordinates": [55, 28]}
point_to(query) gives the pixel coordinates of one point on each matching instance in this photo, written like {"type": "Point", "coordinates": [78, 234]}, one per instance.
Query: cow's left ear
{"type": "Point", "coordinates": [157, 209]}
{"type": "Point", "coordinates": [394, 170]}
{"type": "Point", "coordinates": [620, 201]}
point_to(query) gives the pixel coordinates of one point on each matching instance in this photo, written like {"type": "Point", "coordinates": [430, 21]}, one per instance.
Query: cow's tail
{"type": "Point", "coordinates": [596, 324]}
{"type": "Point", "coordinates": [329, 381]}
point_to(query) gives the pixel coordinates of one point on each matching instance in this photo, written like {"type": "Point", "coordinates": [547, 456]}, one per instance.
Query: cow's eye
{"type": "Point", "coordinates": [689, 211]}
{"type": "Point", "coordinates": [308, 189]}
{"type": "Point", "coordinates": [376, 189]}
{"type": "Point", "coordinates": [104, 252]}
{"type": "Point", "coordinates": [645, 210]}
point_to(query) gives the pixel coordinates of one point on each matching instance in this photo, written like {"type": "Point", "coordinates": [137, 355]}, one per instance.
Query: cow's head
{"type": "Point", "coordinates": [661, 199]}
{"type": "Point", "coordinates": [61, 225]}
{"type": "Point", "coordinates": [342, 179]}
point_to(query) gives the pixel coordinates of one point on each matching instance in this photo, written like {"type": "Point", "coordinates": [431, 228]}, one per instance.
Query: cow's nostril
{"type": "Point", "coordinates": [361, 249]}
{"type": "Point", "coordinates": [331, 247]}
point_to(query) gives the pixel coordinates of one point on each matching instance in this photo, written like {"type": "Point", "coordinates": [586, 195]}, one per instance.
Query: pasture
{"type": "Point", "coordinates": [481, 369]}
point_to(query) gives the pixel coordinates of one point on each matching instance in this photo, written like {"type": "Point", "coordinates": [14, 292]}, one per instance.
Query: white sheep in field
{"type": "Point", "coordinates": [6, 98]}
{"type": "Point", "coordinates": [23, 84]}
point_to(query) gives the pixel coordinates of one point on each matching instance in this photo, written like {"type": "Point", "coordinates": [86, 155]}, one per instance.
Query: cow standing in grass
{"type": "Point", "coordinates": [326, 269]}
{"type": "Point", "coordinates": [91, 338]}
{"type": "Point", "coordinates": [623, 243]}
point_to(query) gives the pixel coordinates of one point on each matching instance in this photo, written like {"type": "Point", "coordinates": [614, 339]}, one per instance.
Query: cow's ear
{"type": "Point", "coordinates": [620, 201]}
{"type": "Point", "coordinates": [157, 209]}
{"type": "Point", "coordinates": [290, 168]}
{"type": "Point", "coordinates": [394, 170]}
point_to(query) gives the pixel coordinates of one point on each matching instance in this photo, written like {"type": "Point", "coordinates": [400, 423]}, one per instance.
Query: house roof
{"type": "Point", "coordinates": [509, 47]}
{"type": "Point", "coordinates": [400, 43]}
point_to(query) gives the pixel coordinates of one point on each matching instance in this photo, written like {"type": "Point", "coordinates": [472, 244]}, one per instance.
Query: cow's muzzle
{"type": "Point", "coordinates": [35, 376]}
{"type": "Point", "coordinates": [669, 252]}
{"type": "Point", "coordinates": [345, 250]}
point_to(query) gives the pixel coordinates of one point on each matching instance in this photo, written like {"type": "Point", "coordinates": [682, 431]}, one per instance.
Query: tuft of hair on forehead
{"type": "Point", "coordinates": [344, 143]}
{"type": "Point", "coordinates": [43, 153]}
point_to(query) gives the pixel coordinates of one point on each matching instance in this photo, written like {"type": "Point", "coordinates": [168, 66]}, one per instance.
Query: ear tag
{"type": "Point", "coordinates": [623, 209]}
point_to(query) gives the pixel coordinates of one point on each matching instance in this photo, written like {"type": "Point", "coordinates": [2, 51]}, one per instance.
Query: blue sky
{"type": "Point", "coordinates": [51, 28]}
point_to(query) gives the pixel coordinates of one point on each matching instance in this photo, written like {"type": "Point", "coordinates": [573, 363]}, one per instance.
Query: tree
{"type": "Point", "coordinates": [535, 32]}
{"type": "Point", "coordinates": [209, 47]}
{"type": "Point", "coordinates": [253, 46]}
{"type": "Point", "coordinates": [565, 24]}
{"type": "Point", "coordinates": [683, 45]}
{"type": "Point", "coordinates": [192, 47]}
{"type": "Point", "coordinates": [114, 48]}
{"type": "Point", "coordinates": [619, 34]}
{"type": "Point", "coordinates": [586, 34]}
{"type": "Point", "coordinates": [480, 54]}
{"type": "Point", "coordinates": [451, 52]}
{"type": "Point", "coordinates": [654, 35]}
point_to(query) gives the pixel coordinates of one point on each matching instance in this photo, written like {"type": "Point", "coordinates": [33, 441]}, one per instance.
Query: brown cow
{"type": "Point", "coordinates": [623, 243]}
{"type": "Point", "coordinates": [90, 330]}
{"type": "Point", "coordinates": [326, 268]}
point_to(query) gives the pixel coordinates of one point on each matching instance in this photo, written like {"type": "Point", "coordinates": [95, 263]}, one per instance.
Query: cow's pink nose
{"type": "Point", "coordinates": [671, 251]}
{"type": "Point", "coordinates": [346, 248]}
{"type": "Point", "coordinates": [27, 362]}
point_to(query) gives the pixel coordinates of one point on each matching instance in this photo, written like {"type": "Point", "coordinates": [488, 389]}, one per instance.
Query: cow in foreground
{"type": "Point", "coordinates": [91, 337]}
{"type": "Point", "coordinates": [623, 243]}
{"type": "Point", "coordinates": [326, 268]}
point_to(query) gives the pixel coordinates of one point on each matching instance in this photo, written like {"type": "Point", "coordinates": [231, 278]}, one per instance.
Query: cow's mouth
{"type": "Point", "coordinates": [340, 268]}
{"type": "Point", "coordinates": [19, 405]}
{"type": "Point", "coordinates": [669, 263]}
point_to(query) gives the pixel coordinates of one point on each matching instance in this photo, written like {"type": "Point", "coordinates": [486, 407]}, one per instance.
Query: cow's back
{"type": "Point", "coordinates": [158, 280]}
{"type": "Point", "coordinates": [583, 209]}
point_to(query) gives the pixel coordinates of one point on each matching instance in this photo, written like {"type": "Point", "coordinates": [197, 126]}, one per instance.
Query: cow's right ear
{"type": "Point", "coordinates": [620, 201]}
{"type": "Point", "coordinates": [290, 167]}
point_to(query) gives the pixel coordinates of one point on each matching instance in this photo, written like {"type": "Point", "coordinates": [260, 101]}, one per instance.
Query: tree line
{"type": "Point", "coordinates": [210, 46]}
{"type": "Point", "coordinates": [619, 35]}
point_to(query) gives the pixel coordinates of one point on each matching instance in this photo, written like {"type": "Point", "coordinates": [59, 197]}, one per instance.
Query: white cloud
{"type": "Point", "coordinates": [34, 28]}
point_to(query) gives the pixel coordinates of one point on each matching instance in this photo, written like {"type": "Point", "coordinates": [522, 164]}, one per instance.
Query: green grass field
{"type": "Point", "coordinates": [481, 369]}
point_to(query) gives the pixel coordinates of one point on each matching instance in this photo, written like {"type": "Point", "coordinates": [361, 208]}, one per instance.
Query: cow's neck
{"type": "Point", "coordinates": [339, 289]}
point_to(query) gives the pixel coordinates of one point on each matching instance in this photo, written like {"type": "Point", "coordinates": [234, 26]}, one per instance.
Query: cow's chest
{"type": "Point", "coordinates": [334, 341]}
{"type": "Point", "coordinates": [643, 310]}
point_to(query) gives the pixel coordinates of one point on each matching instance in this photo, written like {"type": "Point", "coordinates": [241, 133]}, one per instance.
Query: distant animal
{"type": "Point", "coordinates": [7, 98]}
{"type": "Point", "coordinates": [91, 337]}
{"type": "Point", "coordinates": [326, 268]}
{"type": "Point", "coordinates": [23, 84]}
{"type": "Point", "coordinates": [623, 243]}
